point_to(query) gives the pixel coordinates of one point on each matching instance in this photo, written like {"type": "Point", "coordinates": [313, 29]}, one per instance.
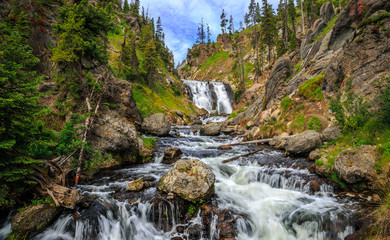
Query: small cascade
{"type": "Point", "coordinates": [210, 96]}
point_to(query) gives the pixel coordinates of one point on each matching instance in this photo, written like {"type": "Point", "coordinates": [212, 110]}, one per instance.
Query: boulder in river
{"type": "Point", "coordinates": [190, 179]}
{"type": "Point", "coordinates": [157, 124]}
{"type": "Point", "coordinates": [211, 129]}
{"type": "Point", "coordinates": [34, 218]}
{"type": "Point", "coordinates": [356, 166]}
{"type": "Point", "coordinates": [171, 155]}
{"type": "Point", "coordinates": [137, 185]}
{"type": "Point", "coordinates": [303, 143]}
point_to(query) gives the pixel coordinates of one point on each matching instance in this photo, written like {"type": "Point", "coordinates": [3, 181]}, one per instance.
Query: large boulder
{"type": "Point", "coordinates": [331, 133]}
{"type": "Point", "coordinates": [303, 143]}
{"type": "Point", "coordinates": [356, 166]}
{"type": "Point", "coordinates": [34, 218]}
{"type": "Point", "coordinates": [274, 87]}
{"type": "Point", "coordinates": [191, 180]}
{"type": "Point", "coordinates": [171, 155]}
{"type": "Point", "coordinates": [211, 129]}
{"type": "Point", "coordinates": [157, 124]}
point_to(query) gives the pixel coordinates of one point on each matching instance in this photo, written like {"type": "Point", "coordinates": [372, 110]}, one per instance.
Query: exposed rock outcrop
{"type": "Point", "coordinates": [191, 180]}
{"type": "Point", "coordinates": [157, 124]}
{"type": "Point", "coordinates": [355, 167]}
{"type": "Point", "coordinates": [303, 143]}
{"type": "Point", "coordinates": [277, 79]}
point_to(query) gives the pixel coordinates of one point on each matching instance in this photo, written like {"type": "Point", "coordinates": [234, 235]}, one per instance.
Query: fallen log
{"type": "Point", "coordinates": [243, 155]}
{"type": "Point", "coordinates": [267, 140]}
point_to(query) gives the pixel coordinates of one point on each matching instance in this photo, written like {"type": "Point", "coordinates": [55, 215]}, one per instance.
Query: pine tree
{"type": "Point", "coordinates": [208, 34]}
{"type": "Point", "coordinates": [292, 14]}
{"type": "Point", "coordinates": [126, 7]}
{"type": "Point", "coordinates": [252, 13]}
{"type": "Point", "coordinates": [223, 21]}
{"type": "Point", "coordinates": [159, 30]}
{"type": "Point", "coordinates": [241, 26]}
{"type": "Point", "coordinates": [231, 25]}
{"type": "Point", "coordinates": [201, 32]}
{"type": "Point", "coordinates": [18, 109]}
{"type": "Point", "coordinates": [268, 32]}
{"type": "Point", "coordinates": [149, 64]}
{"type": "Point", "coordinates": [134, 8]}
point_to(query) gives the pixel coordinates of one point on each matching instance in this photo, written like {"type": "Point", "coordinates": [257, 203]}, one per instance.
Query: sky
{"type": "Point", "coordinates": [180, 19]}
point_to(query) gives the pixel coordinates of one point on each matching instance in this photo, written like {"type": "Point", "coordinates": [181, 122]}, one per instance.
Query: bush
{"type": "Point", "coordinates": [314, 124]}
{"type": "Point", "coordinates": [298, 125]}
{"type": "Point", "coordinates": [385, 102]}
{"type": "Point", "coordinates": [150, 143]}
{"type": "Point", "coordinates": [374, 19]}
{"type": "Point", "coordinates": [311, 89]}
{"type": "Point", "coordinates": [286, 103]}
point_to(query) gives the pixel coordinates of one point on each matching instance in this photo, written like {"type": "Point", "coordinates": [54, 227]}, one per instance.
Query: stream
{"type": "Point", "coordinates": [271, 190]}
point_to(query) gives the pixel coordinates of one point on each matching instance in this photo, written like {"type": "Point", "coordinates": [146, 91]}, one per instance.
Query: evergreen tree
{"type": "Point", "coordinates": [252, 13]}
{"type": "Point", "coordinates": [223, 21]}
{"type": "Point", "coordinates": [149, 64]}
{"type": "Point", "coordinates": [292, 14]}
{"type": "Point", "coordinates": [134, 8]}
{"type": "Point", "coordinates": [208, 34]}
{"type": "Point", "coordinates": [159, 30]}
{"type": "Point", "coordinates": [130, 59]}
{"type": "Point", "coordinates": [241, 26]}
{"type": "Point", "coordinates": [247, 20]}
{"type": "Point", "coordinates": [126, 7]}
{"type": "Point", "coordinates": [231, 25]}
{"type": "Point", "coordinates": [268, 32]}
{"type": "Point", "coordinates": [18, 109]}
{"type": "Point", "coordinates": [201, 32]}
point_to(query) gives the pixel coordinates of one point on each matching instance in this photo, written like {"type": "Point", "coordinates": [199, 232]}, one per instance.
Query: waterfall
{"type": "Point", "coordinates": [210, 96]}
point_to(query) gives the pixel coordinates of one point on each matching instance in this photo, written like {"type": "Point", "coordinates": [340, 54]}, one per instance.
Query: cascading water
{"type": "Point", "coordinates": [270, 190]}
{"type": "Point", "coordinates": [210, 96]}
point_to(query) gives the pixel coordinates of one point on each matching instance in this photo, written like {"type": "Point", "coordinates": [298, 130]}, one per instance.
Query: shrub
{"type": "Point", "coordinates": [286, 103]}
{"type": "Point", "coordinates": [374, 20]}
{"type": "Point", "coordinates": [314, 124]}
{"type": "Point", "coordinates": [311, 89]}
{"type": "Point", "coordinates": [298, 125]}
{"type": "Point", "coordinates": [150, 143]}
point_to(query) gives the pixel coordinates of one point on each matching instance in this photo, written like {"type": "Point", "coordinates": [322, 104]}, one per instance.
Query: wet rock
{"type": "Point", "coordinates": [303, 143]}
{"type": "Point", "coordinates": [66, 197]}
{"type": "Point", "coordinates": [278, 142]}
{"type": "Point", "coordinates": [224, 147]}
{"type": "Point", "coordinates": [354, 167]}
{"type": "Point", "coordinates": [191, 180]}
{"type": "Point", "coordinates": [157, 124]}
{"type": "Point", "coordinates": [315, 186]}
{"type": "Point", "coordinates": [331, 133]}
{"type": "Point", "coordinates": [34, 218]}
{"type": "Point", "coordinates": [312, 169]}
{"type": "Point", "coordinates": [171, 155]}
{"type": "Point", "coordinates": [274, 87]}
{"type": "Point", "coordinates": [194, 231]}
{"type": "Point", "coordinates": [136, 185]}
{"type": "Point", "coordinates": [211, 129]}
{"type": "Point", "coordinates": [214, 113]}
{"type": "Point", "coordinates": [314, 155]}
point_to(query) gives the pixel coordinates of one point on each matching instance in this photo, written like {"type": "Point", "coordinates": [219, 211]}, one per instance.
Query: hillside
{"type": "Point", "coordinates": [336, 81]}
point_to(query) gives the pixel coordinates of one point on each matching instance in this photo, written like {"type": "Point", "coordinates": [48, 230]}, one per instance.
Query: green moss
{"type": "Point", "coordinates": [314, 124]}
{"type": "Point", "coordinates": [319, 163]}
{"type": "Point", "coordinates": [150, 143]}
{"type": "Point", "coordinates": [234, 114]}
{"type": "Point", "coordinates": [219, 57]}
{"type": "Point", "coordinates": [327, 29]}
{"type": "Point", "coordinates": [311, 89]}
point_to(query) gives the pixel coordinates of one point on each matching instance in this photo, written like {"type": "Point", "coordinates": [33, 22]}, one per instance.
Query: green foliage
{"type": "Point", "coordinates": [385, 104]}
{"type": "Point", "coordinates": [18, 106]}
{"type": "Point", "coordinates": [314, 124]}
{"type": "Point", "coordinates": [237, 94]}
{"type": "Point", "coordinates": [286, 103]}
{"type": "Point", "coordinates": [69, 138]}
{"type": "Point", "coordinates": [373, 20]}
{"type": "Point", "coordinates": [234, 114]}
{"type": "Point", "coordinates": [150, 143]}
{"type": "Point", "coordinates": [298, 125]}
{"type": "Point", "coordinates": [311, 89]}
{"type": "Point", "coordinates": [192, 209]}
{"type": "Point", "coordinates": [219, 57]}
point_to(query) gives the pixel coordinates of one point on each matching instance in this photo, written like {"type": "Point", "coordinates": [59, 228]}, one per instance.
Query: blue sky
{"type": "Point", "coordinates": [180, 19]}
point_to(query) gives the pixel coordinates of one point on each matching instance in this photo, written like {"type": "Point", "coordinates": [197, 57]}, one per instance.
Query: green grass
{"type": "Point", "coordinates": [248, 68]}
{"type": "Point", "coordinates": [150, 143]}
{"type": "Point", "coordinates": [159, 100]}
{"type": "Point", "coordinates": [314, 124]}
{"type": "Point", "coordinates": [234, 114]}
{"type": "Point", "coordinates": [298, 125]}
{"type": "Point", "coordinates": [311, 89]}
{"type": "Point", "coordinates": [327, 29]}
{"type": "Point", "coordinates": [219, 57]}
{"type": "Point", "coordinates": [286, 103]}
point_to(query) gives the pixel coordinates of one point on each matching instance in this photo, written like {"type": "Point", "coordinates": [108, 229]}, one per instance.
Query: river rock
{"type": "Point", "coordinates": [171, 155]}
{"type": "Point", "coordinates": [211, 129]}
{"type": "Point", "coordinates": [191, 180]}
{"type": "Point", "coordinates": [303, 143]}
{"type": "Point", "coordinates": [34, 218]}
{"type": "Point", "coordinates": [354, 167]}
{"type": "Point", "coordinates": [314, 155]}
{"type": "Point", "coordinates": [136, 185]}
{"type": "Point", "coordinates": [214, 113]}
{"type": "Point", "coordinates": [315, 186]}
{"type": "Point", "coordinates": [331, 133]}
{"type": "Point", "coordinates": [278, 142]}
{"type": "Point", "coordinates": [157, 124]}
